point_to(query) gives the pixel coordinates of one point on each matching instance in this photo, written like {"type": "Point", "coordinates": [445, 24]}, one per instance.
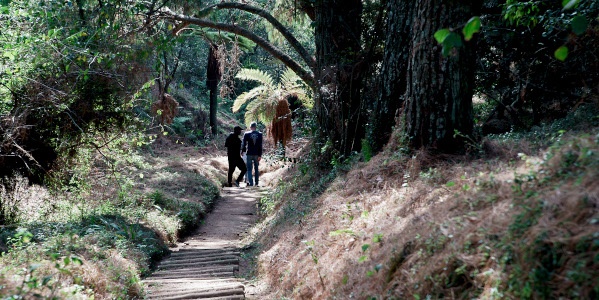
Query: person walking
{"type": "Point", "coordinates": [233, 144]}
{"type": "Point", "coordinates": [252, 142]}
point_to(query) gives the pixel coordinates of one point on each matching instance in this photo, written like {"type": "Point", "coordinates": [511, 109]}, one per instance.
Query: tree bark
{"type": "Point", "coordinates": [338, 104]}
{"type": "Point", "coordinates": [212, 78]}
{"type": "Point", "coordinates": [393, 71]}
{"type": "Point", "coordinates": [439, 91]}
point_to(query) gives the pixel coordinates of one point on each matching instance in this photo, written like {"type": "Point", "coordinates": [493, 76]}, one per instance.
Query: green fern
{"type": "Point", "coordinates": [247, 96]}
{"type": "Point", "coordinates": [256, 75]}
{"type": "Point", "coordinates": [264, 98]}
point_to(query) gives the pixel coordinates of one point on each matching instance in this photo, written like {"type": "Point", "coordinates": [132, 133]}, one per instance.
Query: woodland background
{"type": "Point", "coordinates": [105, 107]}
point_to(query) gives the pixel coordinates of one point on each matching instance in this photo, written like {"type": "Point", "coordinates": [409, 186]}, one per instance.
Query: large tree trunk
{"type": "Point", "coordinates": [439, 91]}
{"type": "Point", "coordinates": [393, 71]}
{"type": "Point", "coordinates": [339, 108]}
{"type": "Point", "coordinates": [212, 79]}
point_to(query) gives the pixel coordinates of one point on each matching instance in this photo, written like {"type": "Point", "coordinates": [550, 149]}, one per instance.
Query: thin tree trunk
{"type": "Point", "coordinates": [81, 12]}
{"type": "Point", "coordinates": [439, 90]}
{"type": "Point", "coordinates": [213, 110]}
{"type": "Point", "coordinates": [212, 78]}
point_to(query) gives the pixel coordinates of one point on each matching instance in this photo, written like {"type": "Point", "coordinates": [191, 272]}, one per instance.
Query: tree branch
{"type": "Point", "coordinates": [305, 75]}
{"type": "Point", "coordinates": [310, 61]}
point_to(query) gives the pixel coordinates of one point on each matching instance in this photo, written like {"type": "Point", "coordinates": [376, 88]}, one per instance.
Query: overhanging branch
{"type": "Point", "coordinates": [305, 75]}
{"type": "Point", "coordinates": [273, 21]}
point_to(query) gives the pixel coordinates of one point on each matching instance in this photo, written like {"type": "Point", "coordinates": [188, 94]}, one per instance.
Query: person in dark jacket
{"type": "Point", "coordinates": [233, 144]}
{"type": "Point", "coordinates": [252, 146]}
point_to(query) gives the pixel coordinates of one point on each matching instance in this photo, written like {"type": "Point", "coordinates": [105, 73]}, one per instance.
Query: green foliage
{"type": "Point", "coordinates": [117, 229]}
{"type": "Point", "coordinates": [11, 189]}
{"type": "Point", "coordinates": [521, 12]}
{"type": "Point", "coordinates": [450, 39]}
{"type": "Point", "coordinates": [548, 133]}
{"type": "Point", "coordinates": [33, 283]}
{"type": "Point", "coordinates": [561, 53]}
{"type": "Point", "coordinates": [366, 150]}
{"type": "Point", "coordinates": [532, 13]}
{"type": "Point", "coordinates": [61, 79]}
{"type": "Point", "coordinates": [49, 261]}
{"type": "Point", "coordinates": [220, 37]}
{"type": "Point", "coordinates": [297, 21]}
{"type": "Point", "coordinates": [264, 98]}
{"type": "Point", "coordinates": [342, 232]}
{"type": "Point", "coordinates": [471, 27]}
{"type": "Point", "coordinates": [535, 255]}
{"type": "Point", "coordinates": [511, 63]}
{"type": "Point", "coordinates": [579, 24]}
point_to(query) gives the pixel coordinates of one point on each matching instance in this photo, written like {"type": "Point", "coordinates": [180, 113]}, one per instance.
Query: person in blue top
{"type": "Point", "coordinates": [233, 144]}
{"type": "Point", "coordinates": [252, 146]}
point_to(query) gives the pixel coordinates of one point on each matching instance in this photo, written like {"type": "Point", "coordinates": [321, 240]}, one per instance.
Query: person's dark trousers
{"type": "Point", "coordinates": [236, 162]}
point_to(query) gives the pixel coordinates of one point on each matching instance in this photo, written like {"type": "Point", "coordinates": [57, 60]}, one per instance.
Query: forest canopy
{"type": "Point", "coordinates": [73, 74]}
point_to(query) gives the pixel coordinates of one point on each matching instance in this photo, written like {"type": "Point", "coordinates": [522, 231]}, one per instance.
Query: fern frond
{"type": "Point", "coordinates": [289, 78]}
{"type": "Point", "coordinates": [257, 92]}
{"type": "Point", "coordinates": [263, 110]}
{"type": "Point", "coordinates": [301, 94]}
{"type": "Point", "coordinates": [245, 43]}
{"type": "Point", "coordinates": [256, 75]}
{"type": "Point", "coordinates": [306, 100]}
{"type": "Point", "coordinates": [252, 112]}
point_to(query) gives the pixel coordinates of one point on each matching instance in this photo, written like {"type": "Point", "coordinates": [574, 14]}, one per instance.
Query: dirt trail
{"type": "Point", "coordinates": [206, 265]}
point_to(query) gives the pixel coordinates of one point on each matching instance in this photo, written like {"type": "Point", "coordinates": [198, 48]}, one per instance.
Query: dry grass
{"type": "Point", "coordinates": [165, 109]}
{"type": "Point", "coordinates": [448, 227]}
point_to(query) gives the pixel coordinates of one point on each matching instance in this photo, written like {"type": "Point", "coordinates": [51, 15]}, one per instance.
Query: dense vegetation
{"type": "Point", "coordinates": [90, 91]}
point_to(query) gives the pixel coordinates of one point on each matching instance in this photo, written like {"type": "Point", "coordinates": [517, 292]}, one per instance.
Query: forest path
{"type": "Point", "coordinates": [206, 265]}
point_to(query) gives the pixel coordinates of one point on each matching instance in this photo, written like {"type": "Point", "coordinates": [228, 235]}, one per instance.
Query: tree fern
{"type": "Point", "coordinates": [256, 75]}
{"type": "Point", "coordinates": [289, 78]}
{"type": "Point", "coordinates": [264, 98]}
{"type": "Point", "coordinates": [294, 85]}
{"type": "Point", "coordinates": [263, 111]}
{"type": "Point", "coordinates": [259, 91]}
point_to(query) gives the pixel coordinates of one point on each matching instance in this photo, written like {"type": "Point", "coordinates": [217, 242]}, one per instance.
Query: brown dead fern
{"type": "Point", "coordinates": [281, 125]}
{"type": "Point", "coordinates": [165, 109]}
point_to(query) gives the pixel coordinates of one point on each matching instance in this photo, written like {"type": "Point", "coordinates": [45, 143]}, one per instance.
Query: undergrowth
{"type": "Point", "coordinates": [307, 185]}
{"type": "Point", "coordinates": [517, 221]}
{"type": "Point", "coordinates": [96, 234]}
{"type": "Point", "coordinates": [543, 245]}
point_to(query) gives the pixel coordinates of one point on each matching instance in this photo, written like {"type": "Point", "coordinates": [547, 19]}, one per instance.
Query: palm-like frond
{"type": "Point", "coordinates": [257, 92]}
{"type": "Point", "coordinates": [263, 100]}
{"type": "Point", "coordinates": [293, 85]}
{"type": "Point", "coordinates": [300, 93]}
{"type": "Point", "coordinates": [289, 78]}
{"type": "Point", "coordinates": [256, 75]}
{"type": "Point", "coordinates": [263, 110]}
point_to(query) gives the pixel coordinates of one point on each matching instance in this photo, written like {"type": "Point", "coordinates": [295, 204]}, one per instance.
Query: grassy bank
{"type": "Point", "coordinates": [99, 234]}
{"type": "Point", "coordinates": [517, 219]}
